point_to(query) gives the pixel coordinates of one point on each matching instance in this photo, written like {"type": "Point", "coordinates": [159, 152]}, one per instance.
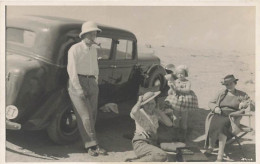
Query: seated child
{"type": "Point", "coordinates": [180, 99]}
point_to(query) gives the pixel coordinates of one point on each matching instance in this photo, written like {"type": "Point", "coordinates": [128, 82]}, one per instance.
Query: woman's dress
{"type": "Point", "coordinates": [220, 123]}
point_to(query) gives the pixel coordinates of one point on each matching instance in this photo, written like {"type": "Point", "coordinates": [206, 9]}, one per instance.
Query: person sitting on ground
{"type": "Point", "coordinates": [218, 125]}
{"type": "Point", "coordinates": [180, 100]}
{"type": "Point", "coordinates": [146, 116]}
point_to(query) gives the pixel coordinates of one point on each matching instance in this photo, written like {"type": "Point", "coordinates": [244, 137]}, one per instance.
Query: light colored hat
{"type": "Point", "coordinates": [89, 27]}
{"type": "Point", "coordinates": [227, 79]}
{"type": "Point", "coordinates": [148, 96]}
{"type": "Point", "coordinates": [183, 68]}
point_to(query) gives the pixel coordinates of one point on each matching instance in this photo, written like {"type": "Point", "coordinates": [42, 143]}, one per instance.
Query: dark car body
{"type": "Point", "coordinates": [36, 74]}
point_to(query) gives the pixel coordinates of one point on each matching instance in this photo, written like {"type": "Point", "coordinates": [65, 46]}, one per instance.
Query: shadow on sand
{"type": "Point", "coordinates": [196, 137]}
{"type": "Point", "coordinates": [110, 130]}
{"type": "Point", "coordinates": [36, 144]}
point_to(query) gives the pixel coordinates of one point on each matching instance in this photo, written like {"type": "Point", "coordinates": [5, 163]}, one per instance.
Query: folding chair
{"type": "Point", "coordinates": [244, 130]}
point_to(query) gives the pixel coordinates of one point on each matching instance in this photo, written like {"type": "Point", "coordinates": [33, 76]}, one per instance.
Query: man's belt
{"type": "Point", "coordinates": [88, 76]}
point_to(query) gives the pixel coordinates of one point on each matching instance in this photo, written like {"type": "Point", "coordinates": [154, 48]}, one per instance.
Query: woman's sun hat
{"type": "Point", "coordinates": [227, 79]}
{"type": "Point", "coordinates": [89, 26]}
{"type": "Point", "coordinates": [184, 68]}
{"type": "Point", "coordinates": [148, 96]}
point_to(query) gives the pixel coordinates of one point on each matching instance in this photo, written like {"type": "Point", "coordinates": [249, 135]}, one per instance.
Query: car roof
{"type": "Point", "coordinates": [39, 22]}
{"type": "Point", "coordinates": [51, 30]}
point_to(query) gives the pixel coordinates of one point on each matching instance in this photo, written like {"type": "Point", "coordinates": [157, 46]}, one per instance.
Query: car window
{"type": "Point", "coordinates": [124, 50]}
{"type": "Point", "coordinates": [103, 51]}
{"type": "Point", "coordinates": [21, 36]}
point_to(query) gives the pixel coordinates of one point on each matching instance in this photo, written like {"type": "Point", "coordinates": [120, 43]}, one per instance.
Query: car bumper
{"type": "Point", "coordinates": [12, 125]}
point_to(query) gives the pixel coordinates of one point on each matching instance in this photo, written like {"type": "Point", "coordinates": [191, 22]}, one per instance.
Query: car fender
{"type": "Point", "coordinates": [58, 101]}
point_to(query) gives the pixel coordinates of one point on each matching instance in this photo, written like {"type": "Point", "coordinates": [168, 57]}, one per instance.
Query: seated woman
{"type": "Point", "coordinates": [146, 116]}
{"type": "Point", "coordinates": [218, 125]}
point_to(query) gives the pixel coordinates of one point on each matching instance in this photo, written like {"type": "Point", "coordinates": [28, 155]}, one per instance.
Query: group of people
{"type": "Point", "coordinates": [180, 100]}
{"type": "Point", "coordinates": [83, 90]}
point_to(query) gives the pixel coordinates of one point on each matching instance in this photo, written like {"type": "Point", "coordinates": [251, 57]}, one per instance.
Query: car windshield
{"type": "Point", "coordinates": [21, 36]}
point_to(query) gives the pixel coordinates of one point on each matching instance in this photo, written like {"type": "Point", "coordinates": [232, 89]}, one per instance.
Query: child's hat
{"type": "Point", "coordinates": [148, 96]}
{"type": "Point", "coordinates": [170, 68]}
{"type": "Point", "coordinates": [183, 68]}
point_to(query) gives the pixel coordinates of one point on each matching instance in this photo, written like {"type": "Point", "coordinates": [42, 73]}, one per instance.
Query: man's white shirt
{"type": "Point", "coordinates": [81, 60]}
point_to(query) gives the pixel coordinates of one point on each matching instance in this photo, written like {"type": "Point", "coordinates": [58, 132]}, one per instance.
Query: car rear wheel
{"type": "Point", "coordinates": [63, 129]}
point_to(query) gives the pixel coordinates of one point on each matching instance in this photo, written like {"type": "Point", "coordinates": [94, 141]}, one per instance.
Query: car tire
{"type": "Point", "coordinates": [63, 128]}
{"type": "Point", "coordinates": [157, 79]}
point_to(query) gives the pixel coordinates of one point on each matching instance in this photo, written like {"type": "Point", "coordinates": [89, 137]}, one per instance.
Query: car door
{"type": "Point", "coordinates": [124, 69]}
{"type": "Point", "coordinates": [106, 68]}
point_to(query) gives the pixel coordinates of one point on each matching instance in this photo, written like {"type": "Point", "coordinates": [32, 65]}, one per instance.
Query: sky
{"type": "Point", "coordinates": [194, 27]}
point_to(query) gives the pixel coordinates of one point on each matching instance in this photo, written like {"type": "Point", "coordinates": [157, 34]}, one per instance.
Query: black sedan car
{"type": "Point", "coordinates": [36, 75]}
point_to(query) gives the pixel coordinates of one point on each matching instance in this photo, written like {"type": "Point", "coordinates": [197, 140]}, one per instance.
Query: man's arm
{"type": "Point", "coordinates": [136, 108]}
{"type": "Point", "coordinates": [163, 118]}
{"type": "Point", "coordinates": [72, 72]}
{"type": "Point", "coordinates": [96, 69]}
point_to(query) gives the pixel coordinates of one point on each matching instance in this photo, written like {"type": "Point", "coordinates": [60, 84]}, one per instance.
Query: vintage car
{"type": "Point", "coordinates": [36, 74]}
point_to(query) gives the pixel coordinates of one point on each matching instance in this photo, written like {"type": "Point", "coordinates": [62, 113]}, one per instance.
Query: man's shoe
{"type": "Point", "coordinates": [208, 151]}
{"type": "Point", "coordinates": [92, 151]}
{"type": "Point", "coordinates": [101, 151]}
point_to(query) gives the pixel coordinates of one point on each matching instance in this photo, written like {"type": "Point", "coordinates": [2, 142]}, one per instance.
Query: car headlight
{"type": "Point", "coordinates": [11, 112]}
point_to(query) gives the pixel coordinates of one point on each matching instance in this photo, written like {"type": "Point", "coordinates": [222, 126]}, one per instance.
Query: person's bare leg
{"type": "Point", "coordinates": [211, 145]}
{"type": "Point", "coordinates": [222, 142]}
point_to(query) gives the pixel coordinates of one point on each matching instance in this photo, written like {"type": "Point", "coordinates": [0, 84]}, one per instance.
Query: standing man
{"type": "Point", "coordinates": [83, 86]}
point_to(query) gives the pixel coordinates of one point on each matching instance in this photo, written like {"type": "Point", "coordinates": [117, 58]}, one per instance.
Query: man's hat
{"type": "Point", "coordinates": [227, 79]}
{"type": "Point", "coordinates": [89, 27]}
{"type": "Point", "coordinates": [148, 96]}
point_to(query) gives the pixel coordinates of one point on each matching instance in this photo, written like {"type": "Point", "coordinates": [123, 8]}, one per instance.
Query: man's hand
{"type": "Point", "coordinates": [140, 100]}
{"type": "Point", "coordinates": [217, 110]}
{"type": "Point", "coordinates": [96, 79]}
{"type": "Point", "coordinates": [80, 93]}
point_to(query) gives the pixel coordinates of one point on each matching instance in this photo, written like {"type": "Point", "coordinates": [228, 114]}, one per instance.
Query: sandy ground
{"type": "Point", "coordinates": [207, 67]}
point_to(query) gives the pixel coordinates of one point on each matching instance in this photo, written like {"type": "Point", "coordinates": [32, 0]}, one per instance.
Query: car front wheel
{"type": "Point", "coordinates": [63, 128]}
